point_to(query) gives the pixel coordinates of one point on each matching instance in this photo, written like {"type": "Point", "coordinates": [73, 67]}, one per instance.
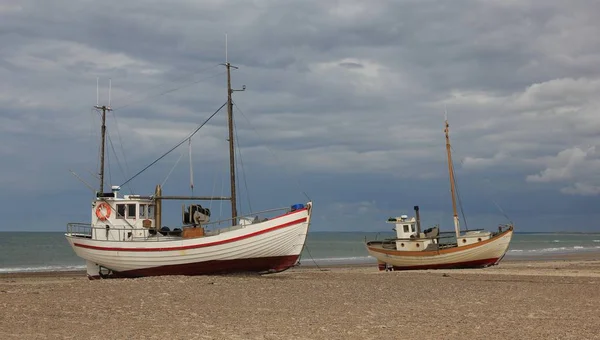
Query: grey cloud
{"type": "Point", "coordinates": [344, 93]}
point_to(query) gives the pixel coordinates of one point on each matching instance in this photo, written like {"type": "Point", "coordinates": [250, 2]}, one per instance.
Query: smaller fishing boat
{"type": "Point", "coordinates": [414, 248]}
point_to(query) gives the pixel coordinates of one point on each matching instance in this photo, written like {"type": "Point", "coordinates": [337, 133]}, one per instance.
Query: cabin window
{"type": "Point", "coordinates": [412, 227]}
{"type": "Point", "coordinates": [406, 228]}
{"type": "Point", "coordinates": [131, 211]}
{"type": "Point", "coordinates": [121, 210]}
{"type": "Point", "coordinates": [150, 211]}
{"type": "Point", "coordinates": [142, 212]}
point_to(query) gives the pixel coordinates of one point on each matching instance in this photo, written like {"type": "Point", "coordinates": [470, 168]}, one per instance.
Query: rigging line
{"type": "Point", "coordinates": [221, 205]}
{"type": "Point", "coordinates": [311, 257]}
{"type": "Point", "coordinates": [237, 175]}
{"type": "Point", "coordinates": [169, 91]}
{"type": "Point", "coordinates": [212, 194]}
{"type": "Point", "coordinates": [271, 151]}
{"type": "Point", "coordinates": [116, 157]}
{"type": "Point", "coordinates": [191, 167]}
{"type": "Point", "coordinates": [93, 138]}
{"type": "Point", "coordinates": [459, 199]}
{"type": "Point", "coordinates": [502, 211]}
{"type": "Point", "coordinates": [493, 201]}
{"type": "Point", "coordinates": [187, 75]}
{"type": "Point", "coordinates": [460, 205]}
{"type": "Point", "coordinates": [93, 110]}
{"type": "Point", "coordinates": [237, 140]}
{"type": "Point", "coordinates": [171, 171]}
{"type": "Point", "coordinates": [126, 172]}
{"type": "Point", "coordinates": [108, 164]}
{"type": "Point", "coordinates": [176, 146]}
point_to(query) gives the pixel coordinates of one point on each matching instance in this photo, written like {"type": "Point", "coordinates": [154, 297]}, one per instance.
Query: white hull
{"type": "Point", "coordinates": [482, 254]}
{"type": "Point", "coordinates": [273, 245]}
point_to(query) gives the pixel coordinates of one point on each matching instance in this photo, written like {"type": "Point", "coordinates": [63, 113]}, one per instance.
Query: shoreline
{"type": "Point", "coordinates": [309, 265]}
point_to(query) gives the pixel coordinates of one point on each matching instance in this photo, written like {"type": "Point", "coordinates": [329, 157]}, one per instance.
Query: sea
{"type": "Point", "coordinates": [49, 251]}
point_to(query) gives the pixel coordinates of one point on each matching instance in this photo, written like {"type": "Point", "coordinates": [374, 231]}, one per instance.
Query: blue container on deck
{"type": "Point", "coordinates": [297, 206]}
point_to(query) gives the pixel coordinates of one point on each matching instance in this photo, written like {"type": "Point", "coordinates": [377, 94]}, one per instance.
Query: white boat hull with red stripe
{"type": "Point", "coordinates": [269, 246]}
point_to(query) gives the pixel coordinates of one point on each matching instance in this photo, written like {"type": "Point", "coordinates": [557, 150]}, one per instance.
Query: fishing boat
{"type": "Point", "coordinates": [413, 248]}
{"type": "Point", "coordinates": [126, 237]}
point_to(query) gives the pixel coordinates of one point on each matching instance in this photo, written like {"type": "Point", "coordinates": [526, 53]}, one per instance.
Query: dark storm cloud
{"type": "Point", "coordinates": [349, 93]}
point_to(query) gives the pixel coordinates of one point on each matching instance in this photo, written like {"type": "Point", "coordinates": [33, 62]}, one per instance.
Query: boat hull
{"type": "Point", "coordinates": [272, 264]}
{"type": "Point", "coordinates": [478, 255]}
{"type": "Point", "coordinates": [270, 246]}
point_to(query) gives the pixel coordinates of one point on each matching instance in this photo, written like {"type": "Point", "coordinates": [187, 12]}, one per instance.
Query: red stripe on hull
{"type": "Point", "coordinates": [469, 264]}
{"type": "Point", "coordinates": [256, 265]}
{"type": "Point", "coordinates": [194, 246]}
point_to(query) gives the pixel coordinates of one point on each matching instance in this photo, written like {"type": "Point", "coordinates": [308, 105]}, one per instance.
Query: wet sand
{"type": "Point", "coordinates": [553, 298]}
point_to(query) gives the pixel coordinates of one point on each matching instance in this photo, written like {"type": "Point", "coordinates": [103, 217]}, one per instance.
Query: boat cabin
{"type": "Point", "coordinates": [123, 218]}
{"type": "Point", "coordinates": [409, 236]}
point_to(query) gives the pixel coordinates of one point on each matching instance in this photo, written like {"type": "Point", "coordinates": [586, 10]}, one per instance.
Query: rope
{"type": "Point", "coordinates": [243, 170]}
{"type": "Point", "coordinates": [116, 156]}
{"type": "Point", "coordinates": [176, 146]}
{"type": "Point", "coordinates": [167, 91]}
{"type": "Point", "coordinates": [170, 90]}
{"type": "Point", "coordinates": [310, 255]}
{"type": "Point", "coordinates": [126, 172]}
{"type": "Point", "coordinates": [493, 201]}
{"type": "Point", "coordinates": [173, 168]}
{"type": "Point", "coordinates": [191, 166]}
{"type": "Point", "coordinates": [273, 153]}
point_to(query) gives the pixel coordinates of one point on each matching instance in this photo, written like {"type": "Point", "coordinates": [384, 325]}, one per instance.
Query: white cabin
{"type": "Point", "coordinates": [408, 238]}
{"type": "Point", "coordinates": [123, 218]}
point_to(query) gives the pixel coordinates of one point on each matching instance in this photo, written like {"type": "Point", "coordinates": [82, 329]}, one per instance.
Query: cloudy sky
{"type": "Point", "coordinates": [344, 102]}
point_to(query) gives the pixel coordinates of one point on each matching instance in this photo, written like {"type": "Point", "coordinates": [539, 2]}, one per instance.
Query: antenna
{"type": "Point", "coordinates": [97, 92]}
{"type": "Point", "coordinates": [445, 112]}
{"type": "Point", "coordinates": [109, 89]}
{"type": "Point", "coordinates": [226, 60]}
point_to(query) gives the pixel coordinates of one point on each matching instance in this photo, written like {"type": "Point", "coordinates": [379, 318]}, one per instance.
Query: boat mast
{"type": "Point", "coordinates": [231, 141]}
{"type": "Point", "coordinates": [104, 108]}
{"type": "Point", "coordinates": [231, 144]}
{"type": "Point", "coordinates": [452, 182]}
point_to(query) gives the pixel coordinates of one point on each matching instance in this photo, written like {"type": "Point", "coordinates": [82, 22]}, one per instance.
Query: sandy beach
{"type": "Point", "coordinates": [553, 298]}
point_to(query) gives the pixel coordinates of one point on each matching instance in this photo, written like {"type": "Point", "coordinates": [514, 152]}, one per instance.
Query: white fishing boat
{"type": "Point", "coordinates": [431, 249]}
{"type": "Point", "coordinates": [126, 237]}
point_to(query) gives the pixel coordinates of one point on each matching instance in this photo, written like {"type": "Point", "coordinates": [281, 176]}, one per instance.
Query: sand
{"type": "Point", "coordinates": [557, 298]}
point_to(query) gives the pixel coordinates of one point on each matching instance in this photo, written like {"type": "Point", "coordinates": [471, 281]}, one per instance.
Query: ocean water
{"type": "Point", "coordinates": [49, 251]}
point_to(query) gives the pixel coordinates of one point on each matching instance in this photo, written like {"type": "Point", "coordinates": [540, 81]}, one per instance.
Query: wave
{"type": "Point", "coordinates": [57, 268]}
{"type": "Point", "coordinates": [555, 249]}
{"type": "Point", "coordinates": [338, 260]}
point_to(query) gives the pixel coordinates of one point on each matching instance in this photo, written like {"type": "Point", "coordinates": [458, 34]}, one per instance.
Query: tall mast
{"type": "Point", "coordinates": [452, 182]}
{"type": "Point", "coordinates": [104, 108]}
{"type": "Point", "coordinates": [231, 144]}
{"type": "Point", "coordinates": [231, 141]}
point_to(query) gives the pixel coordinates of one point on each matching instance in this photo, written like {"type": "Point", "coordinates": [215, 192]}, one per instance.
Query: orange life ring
{"type": "Point", "coordinates": [103, 216]}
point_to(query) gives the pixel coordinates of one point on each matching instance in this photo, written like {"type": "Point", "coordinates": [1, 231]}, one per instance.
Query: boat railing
{"type": "Point", "coordinates": [80, 229]}
{"type": "Point", "coordinates": [127, 233]}
{"type": "Point", "coordinates": [252, 214]}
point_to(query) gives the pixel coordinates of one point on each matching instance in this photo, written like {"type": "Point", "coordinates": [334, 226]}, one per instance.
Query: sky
{"type": "Point", "coordinates": [344, 105]}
